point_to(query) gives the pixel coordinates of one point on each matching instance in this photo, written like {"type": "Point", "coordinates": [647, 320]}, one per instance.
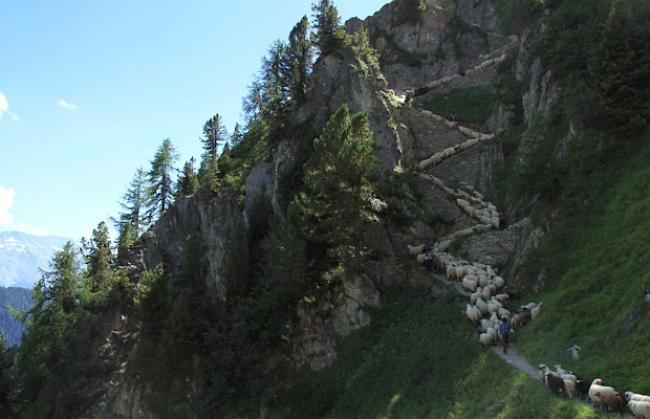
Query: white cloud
{"type": "Point", "coordinates": [62, 103]}
{"type": "Point", "coordinates": [4, 104]}
{"type": "Point", "coordinates": [7, 196]}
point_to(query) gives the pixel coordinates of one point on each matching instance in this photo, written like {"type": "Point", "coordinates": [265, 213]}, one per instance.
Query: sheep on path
{"type": "Point", "coordinates": [640, 409]}
{"type": "Point", "coordinates": [598, 387]}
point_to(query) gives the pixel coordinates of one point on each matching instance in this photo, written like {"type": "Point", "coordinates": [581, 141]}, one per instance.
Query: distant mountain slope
{"type": "Point", "coordinates": [20, 299]}
{"type": "Point", "coordinates": [21, 256]}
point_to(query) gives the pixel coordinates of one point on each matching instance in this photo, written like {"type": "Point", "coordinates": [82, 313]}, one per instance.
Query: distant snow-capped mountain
{"type": "Point", "coordinates": [21, 256]}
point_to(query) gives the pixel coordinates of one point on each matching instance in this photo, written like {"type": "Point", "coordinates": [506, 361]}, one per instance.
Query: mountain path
{"type": "Point", "coordinates": [474, 206]}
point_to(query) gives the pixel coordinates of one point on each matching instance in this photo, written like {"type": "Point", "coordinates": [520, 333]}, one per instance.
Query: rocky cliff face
{"type": "Point", "coordinates": [447, 38]}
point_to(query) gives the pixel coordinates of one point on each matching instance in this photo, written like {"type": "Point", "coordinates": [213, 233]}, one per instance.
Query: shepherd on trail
{"type": "Point", "coordinates": [504, 332]}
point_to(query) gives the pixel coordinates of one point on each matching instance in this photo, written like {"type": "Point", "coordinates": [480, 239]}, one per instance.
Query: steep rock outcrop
{"type": "Point", "coordinates": [217, 219]}
{"type": "Point", "coordinates": [447, 38]}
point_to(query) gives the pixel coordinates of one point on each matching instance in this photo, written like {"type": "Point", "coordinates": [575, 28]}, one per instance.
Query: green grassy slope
{"type": "Point", "coordinates": [420, 358]}
{"type": "Point", "coordinates": [471, 105]}
{"type": "Point", "coordinates": [599, 267]}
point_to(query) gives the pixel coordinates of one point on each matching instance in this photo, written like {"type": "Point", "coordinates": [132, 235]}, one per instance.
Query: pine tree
{"type": "Point", "coordinates": [188, 184]}
{"type": "Point", "coordinates": [99, 258]}
{"type": "Point", "coordinates": [160, 182]}
{"type": "Point", "coordinates": [330, 37]}
{"type": "Point", "coordinates": [131, 220]}
{"type": "Point", "coordinates": [335, 205]}
{"type": "Point", "coordinates": [299, 58]}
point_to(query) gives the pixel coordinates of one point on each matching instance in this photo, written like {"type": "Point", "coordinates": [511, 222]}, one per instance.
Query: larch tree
{"type": "Point", "coordinates": [299, 57]}
{"type": "Point", "coordinates": [131, 220]}
{"type": "Point", "coordinates": [214, 134]}
{"type": "Point", "coordinates": [160, 181]}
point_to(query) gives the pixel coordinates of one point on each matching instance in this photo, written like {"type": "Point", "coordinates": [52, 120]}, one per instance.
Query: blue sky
{"type": "Point", "coordinates": [89, 89]}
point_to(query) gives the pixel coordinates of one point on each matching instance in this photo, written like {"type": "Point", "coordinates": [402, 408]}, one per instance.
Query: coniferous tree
{"type": "Point", "coordinates": [188, 184]}
{"type": "Point", "coordinates": [214, 134]}
{"type": "Point", "coordinates": [299, 57]}
{"type": "Point", "coordinates": [160, 182]}
{"type": "Point", "coordinates": [329, 36]}
{"type": "Point", "coordinates": [284, 260]}
{"type": "Point", "coordinates": [99, 258]}
{"type": "Point", "coordinates": [336, 202]}
{"type": "Point", "coordinates": [237, 136]}
{"type": "Point", "coordinates": [45, 354]}
{"type": "Point", "coordinates": [131, 220]}
{"type": "Point", "coordinates": [277, 79]}
{"type": "Point", "coordinates": [6, 410]}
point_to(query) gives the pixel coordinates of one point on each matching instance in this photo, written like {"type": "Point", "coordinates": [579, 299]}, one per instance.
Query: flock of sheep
{"type": "Point", "coordinates": [487, 294]}
{"type": "Point", "coordinates": [566, 382]}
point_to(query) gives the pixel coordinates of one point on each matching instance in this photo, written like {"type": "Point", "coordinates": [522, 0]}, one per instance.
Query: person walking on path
{"type": "Point", "coordinates": [504, 332]}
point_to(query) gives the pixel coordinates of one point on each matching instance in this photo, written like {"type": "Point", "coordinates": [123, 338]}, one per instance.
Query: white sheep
{"type": "Point", "coordinates": [636, 397]}
{"type": "Point", "coordinates": [421, 258]}
{"type": "Point", "coordinates": [470, 284]}
{"type": "Point", "coordinates": [494, 319]}
{"type": "Point", "coordinates": [473, 313]}
{"type": "Point", "coordinates": [485, 323]}
{"type": "Point", "coordinates": [503, 313]}
{"type": "Point", "coordinates": [482, 279]}
{"type": "Point", "coordinates": [529, 306]}
{"type": "Point", "coordinates": [570, 387]}
{"type": "Point", "coordinates": [536, 312]}
{"type": "Point", "coordinates": [543, 371]}
{"type": "Point", "coordinates": [460, 272]}
{"type": "Point", "coordinates": [502, 297]}
{"type": "Point", "coordinates": [499, 282]}
{"type": "Point", "coordinates": [482, 305]}
{"type": "Point", "coordinates": [598, 387]}
{"type": "Point", "coordinates": [492, 287]}
{"type": "Point", "coordinates": [575, 352]}
{"type": "Point", "coordinates": [494, 305]}
{"type": "Point", "coordinates": [415, 250]}
{"type": "Point", "coordinates": [514, 320]}
{"type": "Point", "coordinates": [485, 339]}
{"type": "Point", "coordinates": [475, 296]}
{"type": "Point", "coordinates": [639, 408]}
{"type": "Point", "coordinates": [486, 293]}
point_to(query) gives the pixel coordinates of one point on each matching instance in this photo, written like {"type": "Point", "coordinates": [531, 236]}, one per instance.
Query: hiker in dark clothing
{"type": "Point", "coordinates": [504, 332]}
